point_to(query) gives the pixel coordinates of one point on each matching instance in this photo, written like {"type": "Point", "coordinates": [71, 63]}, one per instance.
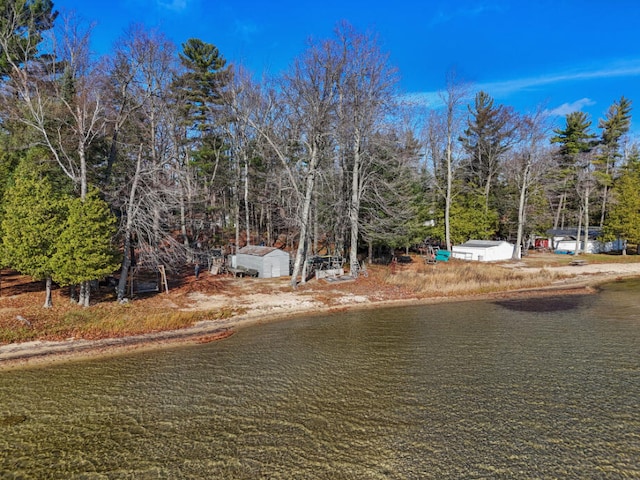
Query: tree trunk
{"type": "Point", "coordinates": [73, 297]}
{"type": "Point", "coordinates": [126, 265]}
{"type": "Point", "coordinates": [87, 295]}
{"type": "Point", "coordinates": [48, 303]}
{"type": "Point", "coordinates": [487, 191]}
{"type": "Point", "coordinates": [305, 264]}
{"type": "Point", "coordinates": [82, 293]}
{"type": "Point", "coordinates": [126, 259]}
{"type": "Point", "coordinates": [577, 249]}
{"type": "Point", "coordinates": [586, 219]}
{"type": "Point", "coordinates": [517, 253]}
{"type": "Point", "coordinates": [448, 194]}
{"type": "Point", "coordinates": [269, 227]}
{"type": "Point", "coordinates": [354, 206]}
{"type": "Point", "coordinates": [236, 215]}
{"type": "Point", "coordinates": [183, 222]}
{"type": "Point", "coordinates": [113, 153]}
{"type": "Point", "coordinates": [316, 226]}
{"type": "Point", "coordinates": [605, 194]}
{"type": "Point", "coordinates": [304, 217]}
{"type": "Point", "coordinates": [82, 157]}
{"type": "Point", "coordinates": [245, 174]}
{"type": "Point", "coordinates": [556, 221]}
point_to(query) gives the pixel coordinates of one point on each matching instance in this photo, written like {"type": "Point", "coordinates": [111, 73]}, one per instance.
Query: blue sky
{"type": "Point", "coordinates": [562, 54]}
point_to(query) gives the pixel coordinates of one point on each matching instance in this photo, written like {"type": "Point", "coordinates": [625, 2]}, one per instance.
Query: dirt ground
{"type": "Point", "coordinates": [256, 301]}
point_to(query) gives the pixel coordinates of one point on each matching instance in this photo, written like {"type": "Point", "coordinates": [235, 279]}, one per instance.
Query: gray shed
{"type": "Point", "coordinates": [270, 262]}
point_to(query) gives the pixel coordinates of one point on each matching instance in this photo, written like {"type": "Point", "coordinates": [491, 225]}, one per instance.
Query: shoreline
{"type": "Point", "coordinates": [36, 354]}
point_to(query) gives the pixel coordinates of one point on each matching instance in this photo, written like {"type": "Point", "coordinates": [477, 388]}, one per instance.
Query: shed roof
{"type": "Point", "coordinates": [482, 243]}
{"type": "Point", "coordinates": [258, 251]}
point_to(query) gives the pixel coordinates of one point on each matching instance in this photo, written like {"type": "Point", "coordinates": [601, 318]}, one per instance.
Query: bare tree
{"type": "Point", "coordinates": [148, 166]}
{"type": "Point", "coordinates": [296, 124]}
{"type": "Point", "coordinates": [452, 97]}
{"type": "Point", "coordinates": [62, 101]}
{"type": "Point", "coordinates": [526, 166]}
{"type": "Point", "coordinates": [365, 96]}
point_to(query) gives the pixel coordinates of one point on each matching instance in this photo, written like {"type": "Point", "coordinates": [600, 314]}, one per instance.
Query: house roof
{"type": "Point", "coordinates": [573, 232]}
{"type": "Point", "coordinates": [258, 251]}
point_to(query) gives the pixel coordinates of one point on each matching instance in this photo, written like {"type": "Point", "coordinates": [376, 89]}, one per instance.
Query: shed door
{"type": "Point", "coordinates": [275, 269]}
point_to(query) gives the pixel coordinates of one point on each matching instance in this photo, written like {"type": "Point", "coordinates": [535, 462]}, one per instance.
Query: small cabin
{"type": "Point", "coordinates": [269, 262]}
{"type": "Point", "coordinates": [566, 240]}
{"type": "Point", "coordinates": [483, 251]}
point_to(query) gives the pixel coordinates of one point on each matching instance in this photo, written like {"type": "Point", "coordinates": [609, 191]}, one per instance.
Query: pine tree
{"type": "Point", "coordinates": [22, 23]}
{"type": "Point", "coordinates": [198, 93]}
{"type": "Point", "coordinates": [202, 84]}
{"type": "Point", "coordinates": [31, 226]}
{"type": "Point", "coordinates": [575, 140]}
{"type": "Point", "coordinates": [575, 137]}
{"type": "Point", "coordinates": [623, 220]}
{"type": "Point", "coordinates": [489, 134]}
{"type": "Point", "coordinates": [84, 250]}
{"type": "Point", "coordinates": [615, 124]}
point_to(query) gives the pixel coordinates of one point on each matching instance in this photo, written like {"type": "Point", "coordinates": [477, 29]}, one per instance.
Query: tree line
{"type": "Point", "coordinates": [151, 152]}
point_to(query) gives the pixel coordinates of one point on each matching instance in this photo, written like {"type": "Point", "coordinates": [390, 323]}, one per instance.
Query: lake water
{"type": "Point", "coordinates": [540, 388]}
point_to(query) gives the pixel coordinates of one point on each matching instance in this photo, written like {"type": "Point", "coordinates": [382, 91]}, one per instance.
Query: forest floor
{"type": "Point", "coordinates": [215, 306]}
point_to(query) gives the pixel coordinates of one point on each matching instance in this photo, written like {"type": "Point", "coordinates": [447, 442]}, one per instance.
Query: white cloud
{"type": "Point", "coordinates": [246, 29]}
{"type": "Point", "coordinates": [504, 89]}
{"type": "Point", "coordinates": [567, 108]}
{"type": "Point", "coordinates": [174, 5]}
{"type": "Point", "coordinates": [446, 16]}
{"type": "Point", "coordinates": [424, 99]}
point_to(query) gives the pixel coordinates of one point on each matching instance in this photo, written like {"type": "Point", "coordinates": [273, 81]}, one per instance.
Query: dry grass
{"type": "Point", "coordinates": [22, 317]}
{"type": "Point", "coordinates": [109, 320]}
{"type": "Point", "coordinates": [540, 259]}
{"type": "Point", "coordinates": [457, 278]}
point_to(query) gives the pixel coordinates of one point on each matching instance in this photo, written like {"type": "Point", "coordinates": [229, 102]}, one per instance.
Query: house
{"type": "Point", "coordinates": [568, 245]}
{"type": "Point", "coordinates": [566, 240]}
{"type": "Point", "coordinates": [483, 250]}
{"type": "Point", "coordinates": [269, 262]}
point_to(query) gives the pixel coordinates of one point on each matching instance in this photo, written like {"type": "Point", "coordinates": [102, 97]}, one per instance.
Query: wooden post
{"type": "Point", "coordinates": [163, 278]}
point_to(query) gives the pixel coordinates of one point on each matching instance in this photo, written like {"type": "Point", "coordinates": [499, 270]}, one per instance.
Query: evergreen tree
{"type": "Point", "coordinates": [623, 220]}
{"type": "Point", "coordinates": [615, 124]}
{"type": "Point", "coordinates": [31, 227]}
{"type": "Point", "coordinates": [9, 160]}
{"type": "Point", "coordinates": [575, 140]}
{"type": "Point", "coordinates": [198, 95]}
{"type": "Point", "coordinates": [84, 250]}
{"type": "Point", "coordinates": [22, 23]}
{"type": "Point", "coordinates": [202, 84]}
{"type": "Point", "coordinates": [469, 220]}
{"type": "Point", "coordinates": [489, 134]}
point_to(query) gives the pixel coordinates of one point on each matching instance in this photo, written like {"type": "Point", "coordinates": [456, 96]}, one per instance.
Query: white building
{"type": "Point", "coordinates": [483, 250]}
{"type": "Point", "coordinates": [568, 245]}
{"type": "Point", "coordinates": [270, 262]}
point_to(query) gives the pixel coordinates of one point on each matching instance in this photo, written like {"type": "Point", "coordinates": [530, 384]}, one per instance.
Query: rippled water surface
{"type": "Point", "coordinates": [543, 388]}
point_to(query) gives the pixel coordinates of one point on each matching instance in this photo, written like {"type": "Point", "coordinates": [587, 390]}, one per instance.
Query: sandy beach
{"type": "Point", "coordinates": [279, 302]}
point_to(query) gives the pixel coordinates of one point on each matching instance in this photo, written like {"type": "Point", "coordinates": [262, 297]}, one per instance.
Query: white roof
{"type": "Point", "coordinates": [483, 243]}
{"type": "Point", "coordinates": [259, 251]}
